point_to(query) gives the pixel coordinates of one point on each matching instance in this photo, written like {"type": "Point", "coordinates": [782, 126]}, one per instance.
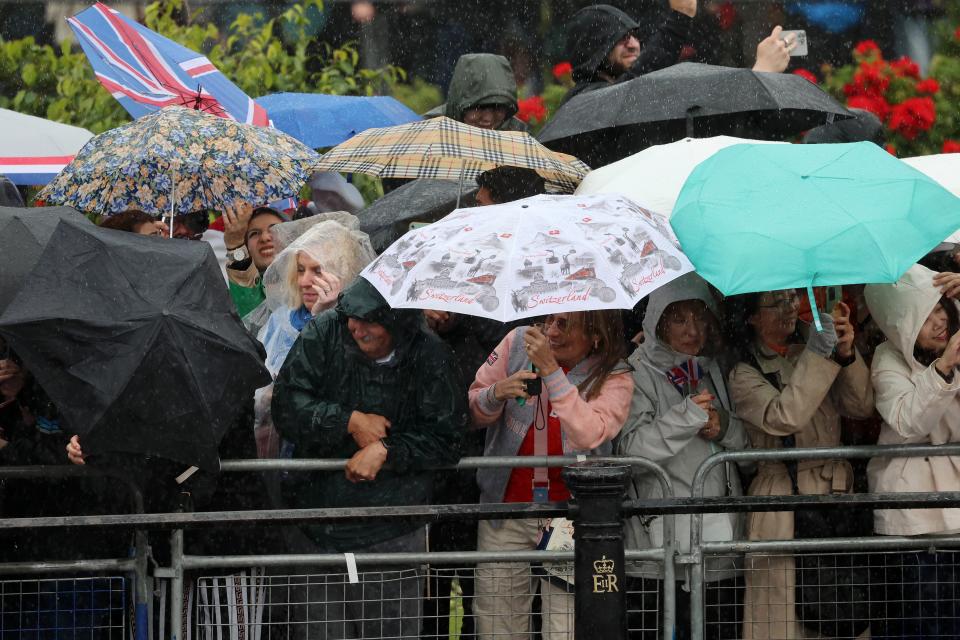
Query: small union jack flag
{"type": "Point", "coordinates": [145, 71]}
{"type": "Point", "coordinates": [686, 377]}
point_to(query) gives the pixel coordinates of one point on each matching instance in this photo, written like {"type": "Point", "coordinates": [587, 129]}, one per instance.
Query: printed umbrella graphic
{"type": "Point", "coordinates": [531, 257]}
{"type": "Point", "coordinates": [145, 71]}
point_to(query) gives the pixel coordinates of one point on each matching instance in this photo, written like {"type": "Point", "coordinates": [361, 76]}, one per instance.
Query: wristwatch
{"type": "Point", "coordinates": [238, 255]}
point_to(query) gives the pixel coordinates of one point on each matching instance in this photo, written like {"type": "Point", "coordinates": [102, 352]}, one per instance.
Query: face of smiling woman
{"type": "Point", "coordinates": [935, 331]}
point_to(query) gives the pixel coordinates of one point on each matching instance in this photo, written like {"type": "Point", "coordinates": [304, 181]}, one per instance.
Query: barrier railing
{"type": "Point", "coordinates": [699, 548]}
{"type": "Point", "coordinates": [700, 551]}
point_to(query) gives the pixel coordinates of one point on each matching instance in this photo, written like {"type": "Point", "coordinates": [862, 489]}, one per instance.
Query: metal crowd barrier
{"type": "Point", "coordinates": [210, 594]}
{"type": "Point", "coordinates": [871, 554]}
{"type": "Point", "coordinates": [276, 588]}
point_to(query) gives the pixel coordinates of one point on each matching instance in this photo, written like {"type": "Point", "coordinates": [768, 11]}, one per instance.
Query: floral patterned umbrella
{"type": "Point", "coordinates": [179, 160]}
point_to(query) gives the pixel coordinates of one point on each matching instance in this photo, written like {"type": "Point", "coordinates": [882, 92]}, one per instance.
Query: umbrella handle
{"type": "Point", "coordinates": [813, 309]}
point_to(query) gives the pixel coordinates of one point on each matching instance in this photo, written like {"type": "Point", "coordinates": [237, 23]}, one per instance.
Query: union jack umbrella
{"type": "Point", "coordinates": [145, 71]}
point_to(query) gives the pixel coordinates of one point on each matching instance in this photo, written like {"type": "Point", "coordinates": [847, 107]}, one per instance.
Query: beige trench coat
{"type": "Point", "coordinates": [816, 391]}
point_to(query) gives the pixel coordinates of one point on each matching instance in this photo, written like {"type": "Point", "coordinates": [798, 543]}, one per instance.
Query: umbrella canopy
{"type": "Point", "coordinates": [145, 71]}
{"type": "Point", "coordinates": [179, 160]}
{"type": "Point", "coordinates": [321, 120]}
{"type": "Point", "coordinates": [418, 201]}
{"type": "Point", "coordinates": [688, 99]}
{"type": "Point", "coordinates": [441, 148]}
{"type": "Point", "coordinates": [33, 150]}
{"type": "Point", "coordinates": [764, 217]}
{"type": "Point", "coordinates": [945, 169]}
{"type": "Point", "coordinates": [137, 343]}
{"type": "Point", "coordinates": [24, 232]}
{"type": "Point", "coordinates": [655, 176]}
{"type": "Point", "coordinates": [531, 257]}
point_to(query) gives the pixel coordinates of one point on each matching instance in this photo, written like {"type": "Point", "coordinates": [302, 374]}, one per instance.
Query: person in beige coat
{"type": "Point", "coordinates": [783, 387]}
{"type": "Point", "coordinates": [918, 396]}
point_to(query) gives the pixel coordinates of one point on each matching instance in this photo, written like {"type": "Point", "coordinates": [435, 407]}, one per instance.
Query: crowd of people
{"type": "Point", "coordinates": [398, 392]}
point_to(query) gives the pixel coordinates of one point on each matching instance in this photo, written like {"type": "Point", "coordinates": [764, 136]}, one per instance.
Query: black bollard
{"type": "Point", "coordinates": [598, 490]}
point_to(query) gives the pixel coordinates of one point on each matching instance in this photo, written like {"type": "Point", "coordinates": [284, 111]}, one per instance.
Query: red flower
{"type": "Point", "coordinates": [562, 70]}
{"type": "Point", "coordinates": [892, 150]}
{"type": "Point", "coordinates": [867, 48]}
{"type": "Point", "coordinates": [951, 146]}
{"type": "Point", "coordinates": [726, 15]}
{"type": "Point", "coordinates": [956, 34]}
{"type": "Point", "coordinates": [929, 86]}
{"type": "Point", "coordinates": [807, 75]}
{"type": "Point", "coordinates": [532, 109]}
{"type": "Point", "coordinates": [913, 116]}
{"type": "Point", "coordinates": [869, 80]}
{"type": "Point", "coordinates": [905, 68]}
{"type": "Point", "coordinates": [878, 105]}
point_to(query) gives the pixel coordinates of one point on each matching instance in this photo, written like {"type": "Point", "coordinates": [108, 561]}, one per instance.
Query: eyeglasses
{"type": "Point", "coordinates": [786, 302]}
{"type": "Point", "coordinates": [698, 320]}
{"type": "Point", "coordinates": [562, 324]}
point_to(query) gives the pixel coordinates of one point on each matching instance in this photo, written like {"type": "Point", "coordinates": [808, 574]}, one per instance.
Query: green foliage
{"type": "Point", "coordinates": [58, 83]}
{"type": "Point", "coordinates": [420, 96]}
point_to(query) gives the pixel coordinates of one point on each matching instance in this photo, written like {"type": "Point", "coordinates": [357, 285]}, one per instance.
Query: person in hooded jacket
{"type": "Point", "coordinates": [369, 383]}
{"type": "Point", "coordinates": [918, 396]}
{"type": "Point", "coordinates": [482, 93]}
{"type": "Point", "coordinates": [680, 415]}
{"type": "Point", "coordinates": [789, 393]}
{"type": "Point", "coordinates": [604, 48]}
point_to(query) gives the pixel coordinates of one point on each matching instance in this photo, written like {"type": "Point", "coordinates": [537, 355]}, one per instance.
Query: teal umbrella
{"type": "Point", "coordinates": [759, 217]}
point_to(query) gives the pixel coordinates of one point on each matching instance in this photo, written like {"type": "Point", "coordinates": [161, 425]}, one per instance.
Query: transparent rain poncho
{"type": "Point", "coordinates": [341, 249]}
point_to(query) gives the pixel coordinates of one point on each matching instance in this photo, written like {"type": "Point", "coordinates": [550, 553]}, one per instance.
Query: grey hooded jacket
{"type": "Point", "coordinates": [663, 426]}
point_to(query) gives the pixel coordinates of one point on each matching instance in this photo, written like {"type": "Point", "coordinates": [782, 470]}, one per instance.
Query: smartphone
{"type": "Point", "coordinates": [799, 36]}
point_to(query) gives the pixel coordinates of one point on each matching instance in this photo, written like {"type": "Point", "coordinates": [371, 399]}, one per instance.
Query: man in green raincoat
{"type": "Point", "coordinates": [368, 383]}
{"type": "Point", "coordinates": [482, 93]}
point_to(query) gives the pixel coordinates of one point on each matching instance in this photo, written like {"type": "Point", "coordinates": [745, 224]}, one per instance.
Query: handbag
{"type": "Point", "coordinates": [832, 591]}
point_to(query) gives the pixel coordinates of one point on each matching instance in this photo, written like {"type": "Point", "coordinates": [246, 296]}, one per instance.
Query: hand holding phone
{"type": "Point", "coordinates": [796, 41]}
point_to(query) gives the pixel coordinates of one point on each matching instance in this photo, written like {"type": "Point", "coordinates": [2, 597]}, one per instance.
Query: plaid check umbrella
{"type": "Point", "coordinates": [445, 149]}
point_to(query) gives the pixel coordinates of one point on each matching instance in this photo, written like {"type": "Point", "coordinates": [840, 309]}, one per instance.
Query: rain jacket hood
{"type": "Point", "coordinates": [687, 287]}
{"type": "Point", "coordinates": [900, 309]}
{"type": "Point", "coordinates": [362, 300]}
{"type": "Point", "coordinates": [917, 404]}
{"type": "Point", "coordinates": [481, 78]}
{"type": "Point", "coordinates": [592, 33]}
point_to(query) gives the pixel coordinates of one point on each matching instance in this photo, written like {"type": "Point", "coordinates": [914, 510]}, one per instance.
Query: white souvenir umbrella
{"type": "Point", "coordinates": [532, 257]}
{"type": "Point", "coordinates": [657, 174]}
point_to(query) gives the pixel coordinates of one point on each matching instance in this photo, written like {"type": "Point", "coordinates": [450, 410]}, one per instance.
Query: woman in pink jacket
{"type": "Point", "coordinates": [583, 402]}
{"type": "Point", "coordinates": [917, 385]}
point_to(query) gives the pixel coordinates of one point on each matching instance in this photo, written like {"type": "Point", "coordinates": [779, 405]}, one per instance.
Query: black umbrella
{"type": "Point", "coordinates": [136, 341]}
{"type": "Point", "coordinates": [23, 235]}
{"type": "Point", "coordinates": [417, 201]}
{"type": "Point", "coordinates": [687, 99]}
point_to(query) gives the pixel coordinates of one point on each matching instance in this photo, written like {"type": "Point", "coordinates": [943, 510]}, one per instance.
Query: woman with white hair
{"type": "Point", "coordinates": [303, 281]}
